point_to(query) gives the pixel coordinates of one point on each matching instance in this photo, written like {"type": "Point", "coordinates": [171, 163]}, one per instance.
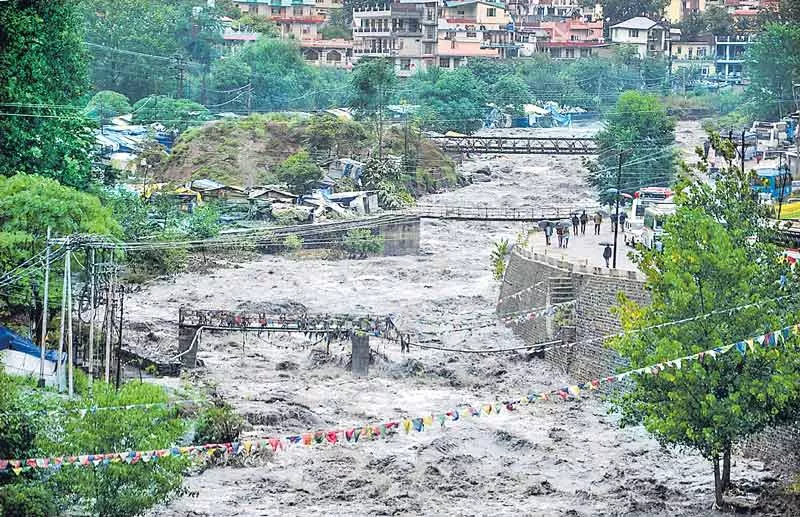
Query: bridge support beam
{"type": "Point", "coordinates": [359, 358]}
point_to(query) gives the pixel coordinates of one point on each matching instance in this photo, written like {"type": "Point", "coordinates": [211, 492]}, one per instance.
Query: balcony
{"type": "Point", "coordinates": [372, 12]}
{"type": "Point", "coordinates": [373, 52]}
{"type": "Point", "coordinates": [461, 20]}
{"type": "Point", "coordinates": [298, 19]}
{"type": "Point", "coordinates": [407, 10]}
{"type": "Point", "coordinates": [497, 44]}
{"type": "Point", "coordinates": [372, 31]}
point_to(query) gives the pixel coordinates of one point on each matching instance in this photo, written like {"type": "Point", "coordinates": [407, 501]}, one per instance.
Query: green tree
{"type": "Point", "coordinates": [710, 263]}
{"type": "Point", "coordinates": [511, 91]}
{"type": "Point", "coordinates": [259, 24]}
{"type": "Point", "coordinates": [334, 31]}
{"type": "Point", "coordinates": [620, 10]}
{"type": "Point", "coordinates": [329, 134]}
{"type": "Point", "coordinates": [458, 100]}
{"type": "Point", "coordinates": [28, 205]}
{"type": "Point", "coordinates": [773, 66]}
{"type": "Point", "coordinates": [373, 82]}
{"type": "Point", "coordinates": [229, 76]}
{"type": "Point", "coordinates": [714, 20]}
{"type": "Point", "coordinates": [299, 172]}
{"type": "Point", "coordinates": [106, 105]}
{"type": "Point", "coordinates": [639, 130]}
{"type": "Point", "coordinates": [203, 222]}
{"type": "Point", "coordinates": [173, 113]}
{"type": "Point", "coordinates": [42, 75]}
{"type": "Point", "coordinates": [280, 77]}
{"type": "Point", "coordinates": [361, 242]}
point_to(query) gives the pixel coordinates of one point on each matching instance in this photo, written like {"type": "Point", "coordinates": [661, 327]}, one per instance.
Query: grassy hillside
{"type": "Point", "coordinates": [242, 151]}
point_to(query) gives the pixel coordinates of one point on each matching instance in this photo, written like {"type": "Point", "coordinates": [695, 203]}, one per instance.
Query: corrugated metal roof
{"type": "Point", "coordinates": [639, 22]}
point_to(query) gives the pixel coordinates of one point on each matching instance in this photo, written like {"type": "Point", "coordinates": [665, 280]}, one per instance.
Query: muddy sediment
{"type": "Point", "coordinates": [547, 458]}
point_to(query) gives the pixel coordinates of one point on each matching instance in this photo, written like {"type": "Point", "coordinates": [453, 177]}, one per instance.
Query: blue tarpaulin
{"type": "Point", "coordinates": [10, 340]}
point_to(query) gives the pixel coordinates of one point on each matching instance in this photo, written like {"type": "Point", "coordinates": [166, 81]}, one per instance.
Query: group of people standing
{"type": "Point", "coordinates": [579, 223]}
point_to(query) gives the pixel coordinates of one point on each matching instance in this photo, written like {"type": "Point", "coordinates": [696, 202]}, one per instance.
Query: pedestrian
{"type": "Point", "coordinates": [622, 219]}
{"type": "Point", "coordinates": [597, 220]}
{"type": "Point", "coordinates": [607, 254]}
{"type": "Point", "coordinates": [560, 233]}
{"type": "Point", "coordinates": [614, 222]}
{"type": "Point", "coordinates": [575, 222]}
{"type": "Point", "coordinates": [584, 220]}
{"type": "Point", "coordinates": [566, 238]}
{"type": "Point", "coordinates": [548, 232]}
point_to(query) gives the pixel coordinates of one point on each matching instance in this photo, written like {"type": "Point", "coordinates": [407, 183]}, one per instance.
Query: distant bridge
{"type": "Point", "coordinates": [497, 213]}
{"type": "Point", "coordinates": [516, 145]}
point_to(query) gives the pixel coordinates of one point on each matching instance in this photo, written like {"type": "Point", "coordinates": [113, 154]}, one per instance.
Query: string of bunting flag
{"type": "Point", "coordinates": [352, 435]}
{"type": "Point", "coordinates": [530, 315]}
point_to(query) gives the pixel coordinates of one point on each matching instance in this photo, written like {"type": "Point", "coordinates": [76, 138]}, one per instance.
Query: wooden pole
{"type": "Point", "coordinates": [94, 316]}
{"type": "Point", "coordinates": [70, 351]}
{"type": "Point", "coordinates": [43, 343]}
{"type": "Point", "coordinates": [119, 343]}
{"type": "Point", "coordinates": [110, 309]}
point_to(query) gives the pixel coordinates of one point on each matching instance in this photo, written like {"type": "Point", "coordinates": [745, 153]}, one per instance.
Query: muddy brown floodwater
{"type": "Point", "coordinates": [547, 458]}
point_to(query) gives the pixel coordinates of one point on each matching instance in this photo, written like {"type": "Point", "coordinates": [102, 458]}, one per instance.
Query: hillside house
{"type": "Point", "coordinates": [650, 38]}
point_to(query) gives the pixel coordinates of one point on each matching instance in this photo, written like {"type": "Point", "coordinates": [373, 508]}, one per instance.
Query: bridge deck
{"type": "Point", "coordinates": [516, 144]}
{"type": "Point", "coordinates": [474, 213]}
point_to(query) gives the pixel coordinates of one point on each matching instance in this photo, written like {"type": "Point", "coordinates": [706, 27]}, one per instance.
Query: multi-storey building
{"type": "Point", "coordinates": [698, 53]}
{"type": "Point", "coordinates": [418, 34]}
{"type": "Point", "coordinates": [564, 39]}
{"type": "Point", "coordinates": [474, 28]}
{"type": "Point", "coordinates": [327, 7]}
{"type": "Point", "coordinates": [295, 19]}
{"type": "Point", "coordinates": [730, 56]}
{"type": "Point", "coordinates": [651, 39]}
{"type": "Point", "coordinates": [677, 10]}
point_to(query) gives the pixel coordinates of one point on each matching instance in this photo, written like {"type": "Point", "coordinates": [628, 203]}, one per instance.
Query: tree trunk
{"type": "Point", "coordinates": [726, 467]}
{"type": "Point", "coordinates": [717, 483]}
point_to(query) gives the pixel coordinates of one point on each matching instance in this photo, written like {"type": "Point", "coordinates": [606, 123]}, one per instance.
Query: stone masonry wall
{"type": "Point", "coordinates": [596, 291]}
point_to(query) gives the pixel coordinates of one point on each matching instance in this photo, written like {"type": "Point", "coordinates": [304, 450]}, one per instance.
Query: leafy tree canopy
{"type": "Point", "coordinates": [620, 10]}
{"type": "Point", "coordinates": [714, 20]}
{"type": "Point", "coordinates": [773, 65]}
{"type": "Point", "coordinates": [299, 172]}
{"type": "Point", "coordinates": [640, 129]}
{"type": "Point", "coordinates": [107, 104]}
{"type": "Point", "coordinates": [46, 133]}
{"type": "Point", "coordinates": [710, 263]}
{"type": "Point", "coordinates": [510, 90]}
{"type": "Point", "coordinates": [260, 24]}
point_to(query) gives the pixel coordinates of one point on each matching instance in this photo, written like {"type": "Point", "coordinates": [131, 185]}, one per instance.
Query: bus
{"type": "Point", "coordinates": [654, 219]}
{"type": "Point", "coordinates": [647, 196]}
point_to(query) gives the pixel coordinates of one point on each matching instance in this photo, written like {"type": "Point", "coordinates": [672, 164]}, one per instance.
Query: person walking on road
{"type": "Point", "coordinates": [548, 232]}
{"type": "Point", "coordinates": [566, 238]}
{"type": "Point", "coordinates": [560, 233]}
{"type": "Point", "coordinates": [584, 220]}
{"type": "Point", "coordinates": [613, 223]}
{"type": "Point", "coordinates": [597, 220]}
{"type": "Point", "coordinates": [607, 254]}
{"type": "Point", "coordinates": [622, 219]}
{"type": "Point", "coordinates": [575, 222]}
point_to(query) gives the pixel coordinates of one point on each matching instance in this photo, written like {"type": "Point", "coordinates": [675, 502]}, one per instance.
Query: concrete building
{"type": "Point", "coordinates": [677, 10]}
{"type": "Point", "coordinates": [730, 54]}
{"type": "Point", "coordinates": [419, 34]}
{"type": "Point", "coordinates": [326, 8]}
{"type": "Point", "coordinates": [650, 38]}
{"type": "Point", "coordinates": [474, 28]}
{"type": "Point", "coordinates": [295, 19]}
{"type": "Point", "coordinates": [564, 39]}
{"type": "Point", "coordinates": [700, 54]}
{"type": "Point", "coordinates": [337, 53]}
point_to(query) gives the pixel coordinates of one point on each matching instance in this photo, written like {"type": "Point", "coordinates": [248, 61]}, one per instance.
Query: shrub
{"type": "Point", "coordinates": [27, 500]}
{"type": "Point", "coordinates": [218, 425]}
{"type": "Point", "coordinates": [293, 242]}
{"type": "Point", "coordinates": [360, 242]}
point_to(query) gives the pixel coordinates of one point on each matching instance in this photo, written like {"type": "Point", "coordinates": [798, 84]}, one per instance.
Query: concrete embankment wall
{"type": "Point", "coordinates": [595, 291]}
{"type": "Point", "coordinates": [400, 233]}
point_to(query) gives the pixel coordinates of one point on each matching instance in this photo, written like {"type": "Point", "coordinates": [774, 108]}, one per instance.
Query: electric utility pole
{"type": "Point", "coordinates": [180, 71]}
{"type": "Point", "coordinates": [44, 309]}
{"type": "Point", "coordinates": [616, 216]}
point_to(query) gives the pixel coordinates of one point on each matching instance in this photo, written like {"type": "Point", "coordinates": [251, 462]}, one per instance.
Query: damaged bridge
{"type": "Point", "coordinates": [193, 322]}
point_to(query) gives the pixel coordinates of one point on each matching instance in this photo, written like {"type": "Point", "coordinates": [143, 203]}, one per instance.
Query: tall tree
{"type": "Point", "coordinates": [640, 133]}
{"type": "Point", "coordinates": [373, 83]}
{"type": "Point", "coordinates": [714, 20]}
{"type": "Point", "coordinates": [773, 66]}
{"type": "Point", "coordinates": [712, 262]}
{"type": "Point", "coordinates": [620, 10]}
{"type": "Point", "coordinates": [42, 77]}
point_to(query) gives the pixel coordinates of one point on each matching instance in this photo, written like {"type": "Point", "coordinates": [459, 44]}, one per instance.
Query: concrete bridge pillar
{"type": "Point", "coordinates": [359, 359]}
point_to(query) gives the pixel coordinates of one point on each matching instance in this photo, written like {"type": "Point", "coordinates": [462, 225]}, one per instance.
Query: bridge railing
{"type": "Point", "coordinates": [516, 144]}
{"type": "Point", "coordinates": [499, 213]}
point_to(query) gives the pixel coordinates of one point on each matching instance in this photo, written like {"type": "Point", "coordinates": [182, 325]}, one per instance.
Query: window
{"type": "Point", "coordinates": [405, 64]}
{"type": "Point", "coordinates": [633, 33]}
{"type": "Point", "coordinates": [491, 12]}
{"type": "Point", "coordinates": [690, 53]}
{"type": "Point", "coordinates": [680, 49]}
{"type": "Point", "coordinates": [275, 12]}
{"type": "Point", "coordinates": [444, 62]}
{"type": "Point", "coordinates": [306, 30]}
{"type": "Point", "coordinates": [472, 35]}
{"type": "Point", "coordinates": [570, 52]}
{"type": "Point", "coordinates": [586, 52]}
{"type": "Point", "coordinates": [573, 37]}
{"type": "Point", "coordinates": [297, 11]}
{"type": "Point", "coordinates": [429, 48]}
{"type": "Point", "coordinates": [701, 51]}
{"type": "Point", "coordinates": [462, 12]}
